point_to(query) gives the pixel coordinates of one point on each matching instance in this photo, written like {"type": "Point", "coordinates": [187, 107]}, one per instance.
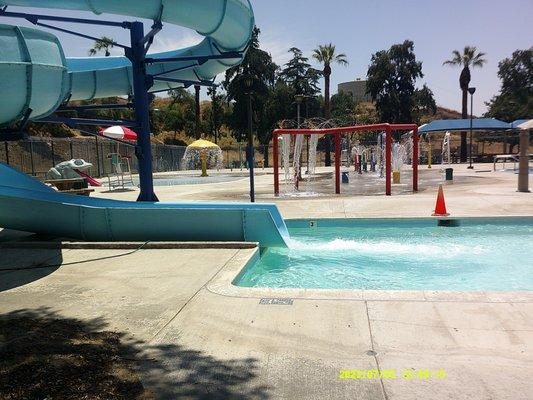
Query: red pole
{"type": "Point", "coordinates": [337, 163]}
{"type": "Point", "coordinates": [388, 161]}
{"type": "Point", "coordinates": [415, 159]}
{"type": "Point", "coordinates": [276, 164]}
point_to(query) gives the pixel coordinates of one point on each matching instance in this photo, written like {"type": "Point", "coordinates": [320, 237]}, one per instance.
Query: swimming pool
{"type": "Point", "coordinates": [393, 254]}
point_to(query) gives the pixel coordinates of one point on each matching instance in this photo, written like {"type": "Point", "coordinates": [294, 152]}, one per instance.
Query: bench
{"type": "Point", "coordinates": [505, 157]}
{"type": "Point", "coordinates": [80, 192]}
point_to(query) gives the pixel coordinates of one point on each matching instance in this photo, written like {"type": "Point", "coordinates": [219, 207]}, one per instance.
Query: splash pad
{"type": "Point", "coordinates": [292, 140]}
{"type": "Point", "coordinates": [202, 154]}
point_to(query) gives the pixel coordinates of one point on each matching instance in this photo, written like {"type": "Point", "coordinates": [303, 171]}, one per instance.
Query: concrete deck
{"type": "Point", "coordinates": [204, 338]}
{"type": "Point", "coordinates": [478, 192]}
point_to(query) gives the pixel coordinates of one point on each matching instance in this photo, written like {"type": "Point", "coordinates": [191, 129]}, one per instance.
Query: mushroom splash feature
{"type": "Point", "coordinates": [202, 154]}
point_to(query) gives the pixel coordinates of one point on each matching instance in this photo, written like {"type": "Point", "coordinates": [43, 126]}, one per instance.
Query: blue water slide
{"type": "Point", "coordinates": [26, 204]}
{"type": "Point", "coordinates": [36, 74]}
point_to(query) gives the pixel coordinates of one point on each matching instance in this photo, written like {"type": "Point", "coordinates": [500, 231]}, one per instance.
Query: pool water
{"type": "Point", "coordinates": [412, 254]}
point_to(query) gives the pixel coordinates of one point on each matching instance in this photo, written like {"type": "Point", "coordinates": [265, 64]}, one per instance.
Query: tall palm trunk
{"type": "Point", "coordinates": [464, 83]}
{"type": "Point", "coordinates": [327, 106]}
{"type": "Point", "coordinates": [327, 113]}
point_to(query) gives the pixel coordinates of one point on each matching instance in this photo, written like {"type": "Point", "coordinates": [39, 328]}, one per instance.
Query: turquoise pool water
{"type": "Point", "coordinates": [480, 254]}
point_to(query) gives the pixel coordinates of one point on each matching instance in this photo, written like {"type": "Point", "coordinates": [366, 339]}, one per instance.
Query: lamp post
{"type": "Point", "coordinates": [471, 90]}
{"type": "Point", "coordinates": [197, 113]}
{"type": "Point", "coordinates": [248, 83]}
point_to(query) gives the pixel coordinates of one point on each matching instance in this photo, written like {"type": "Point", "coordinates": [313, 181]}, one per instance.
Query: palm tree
{"type": "Point", "coordinates": [104, 44]}
{"type": "Point", "coordinates": [325, 54]}
{"type": "Point", "coordinates": [470, 57]}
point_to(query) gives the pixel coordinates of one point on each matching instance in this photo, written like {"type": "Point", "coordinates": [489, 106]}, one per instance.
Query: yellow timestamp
{"type": "Point", "coordinates": [408, 374]}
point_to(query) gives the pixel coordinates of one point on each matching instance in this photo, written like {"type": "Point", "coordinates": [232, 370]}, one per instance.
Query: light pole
{"type": "Point", "coordinates": [197, 113]}
{"type": "Point", "coordinates": [471, 90]}
{"type": "Point", "coordinates": [248, 83]}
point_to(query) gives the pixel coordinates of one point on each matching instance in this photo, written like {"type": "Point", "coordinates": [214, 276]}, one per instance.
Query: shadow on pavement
{"type": "Point", "coordinates": [44, 355]}
{"type": "Point", "coordinates": [22, 266]}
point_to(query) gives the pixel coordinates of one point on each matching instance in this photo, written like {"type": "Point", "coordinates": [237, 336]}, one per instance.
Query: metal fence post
{"type": "Point", "coordinates": [98, 157]}
{"type": "Point", "coordinates": [53, 153]}
{"type": "Point", "coordinates": [7, 152]}
{"type": "Point", "coordinates": [240, 156]}
{"type": "Point", "coordinates": [31, 158]}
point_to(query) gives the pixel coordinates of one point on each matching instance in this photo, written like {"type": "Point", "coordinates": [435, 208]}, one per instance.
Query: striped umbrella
{"type": "Point", "coordinates": [118, 132]}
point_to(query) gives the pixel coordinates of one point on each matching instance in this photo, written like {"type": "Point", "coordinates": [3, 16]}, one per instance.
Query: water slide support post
{"type": "Point", "coordinates": [141, 84]}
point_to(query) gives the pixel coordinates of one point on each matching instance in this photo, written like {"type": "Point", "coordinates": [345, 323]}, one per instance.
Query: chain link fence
{"type": "Point", "coordinates": [36, 156]}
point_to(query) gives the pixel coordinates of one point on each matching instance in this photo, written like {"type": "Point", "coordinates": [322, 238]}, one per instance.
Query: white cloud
{"type": "Point", "coordinates": [278, 47]}
{"type": "Point", "coordinates": [174, 41]}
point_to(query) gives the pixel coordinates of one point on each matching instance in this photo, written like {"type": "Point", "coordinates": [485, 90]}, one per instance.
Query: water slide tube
{"type": "Point", "coordinates": [26, 204]}
{"type": "Point", "coordinates": [36, 74]}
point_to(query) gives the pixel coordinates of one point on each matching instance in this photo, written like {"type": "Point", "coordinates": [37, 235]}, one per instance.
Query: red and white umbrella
{"type": "Point", "coordinates": [118, 132]}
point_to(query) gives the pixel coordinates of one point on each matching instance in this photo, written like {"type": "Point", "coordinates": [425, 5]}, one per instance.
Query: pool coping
{"type": "Point", "coordinates": [222, 284]}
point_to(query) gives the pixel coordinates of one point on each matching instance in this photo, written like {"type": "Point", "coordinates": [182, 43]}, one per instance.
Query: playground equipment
{"type": "Point", "coordinates": [286, 134]}
{"type": "Point", "coordinates": [202, 154]}
{"type": "Point", "coordinates": [28, 205]}
{"type": "Point", "coordinates": [446, 148]}
{"type": "Point", "coordinates": [37, 78]}
{"type": "Point", "coordinates": [399, 155]}
{"type": "Point", "coordinates": [72, 169]}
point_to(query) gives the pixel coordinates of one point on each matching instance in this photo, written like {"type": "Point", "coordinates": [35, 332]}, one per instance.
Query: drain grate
{"type": "Point", "coordinates": [276, 301]}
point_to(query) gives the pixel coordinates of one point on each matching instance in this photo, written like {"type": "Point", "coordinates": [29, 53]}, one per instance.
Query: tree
{"type": "Point", "coordinates": [180, 115]}
{"type": "Point", "coordinates": [259, 69]}
{"type": "Point", "coordinates": [391, 79]}
{"type": "Point", "coordinates": [469, 57]}
{"type": "Point", "coordinates": [216, 112]}
{"type": "Point", "coordinates": [326, 55]}
{"type": "Point", "coordinates": [299, 74]}
{"type": "Point", "coordinates": [365, 113]}
{"type": "Point", "coordinates": [515, 100]}
{"type": "Point", "coordinates": [105, 43]}
{"type": "Point", "coordinates": [342, 106]}
{"type": "Point", "coordinates": [423, 104]}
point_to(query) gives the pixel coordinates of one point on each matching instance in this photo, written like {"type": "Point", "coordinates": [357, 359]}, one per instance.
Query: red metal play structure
{"type": "Point", "coordinates": [337, 132]}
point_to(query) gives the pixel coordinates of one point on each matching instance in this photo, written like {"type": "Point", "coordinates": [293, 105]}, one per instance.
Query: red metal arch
{"type": "Point", "coordinates": [388, 128]}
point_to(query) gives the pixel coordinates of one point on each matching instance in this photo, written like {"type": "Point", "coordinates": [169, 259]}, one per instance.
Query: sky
{"type": "Point", "coordinates": [359, 28]}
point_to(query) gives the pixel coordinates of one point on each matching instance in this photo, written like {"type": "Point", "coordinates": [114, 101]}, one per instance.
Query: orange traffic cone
{"type": "Point", "coordinates": [440, 207]}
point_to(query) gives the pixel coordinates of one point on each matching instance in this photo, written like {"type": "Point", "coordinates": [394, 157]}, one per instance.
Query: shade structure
{"type": "Point", "coordinates": [527, 124]}
{"type": "Point", "coordinates": [478, 124]}
{"type": "Point", "coordinates": [118, 132]}
{"type": "Point", "coordinates": [202, 144]}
